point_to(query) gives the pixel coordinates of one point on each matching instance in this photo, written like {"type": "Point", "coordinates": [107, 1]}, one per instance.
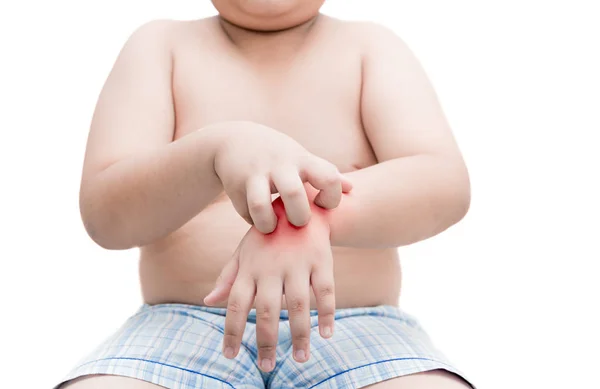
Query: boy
{"type": "Point", "coordinates": [216, 148]}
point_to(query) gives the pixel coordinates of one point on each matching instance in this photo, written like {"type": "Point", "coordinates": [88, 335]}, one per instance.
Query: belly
{"type": "Point", "coordinates": [183, 267]}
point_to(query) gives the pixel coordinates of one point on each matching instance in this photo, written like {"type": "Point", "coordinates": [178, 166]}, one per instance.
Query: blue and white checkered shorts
{"type": "Point", "coordinates": [179, 347]}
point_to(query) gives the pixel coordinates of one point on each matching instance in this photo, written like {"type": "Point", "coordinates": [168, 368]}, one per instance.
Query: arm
{"type": "Point", "coordinates": [420, 187]}
{"type": "Point", "coordinates": [137, 185]}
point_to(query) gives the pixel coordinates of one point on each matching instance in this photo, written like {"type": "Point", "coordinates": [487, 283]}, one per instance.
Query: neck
{"type": "Point", "coordinates": [254, 40]}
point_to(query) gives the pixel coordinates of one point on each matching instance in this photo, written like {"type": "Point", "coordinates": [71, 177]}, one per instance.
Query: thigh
{"type": "Point", "coordinates": [173, 345]}
{"type": "Point", "coordinates": [434, 379]}
{"type": "Point", "coordinates": [369, 345]}
{"type": "Point", "coordinates": [108, 381]}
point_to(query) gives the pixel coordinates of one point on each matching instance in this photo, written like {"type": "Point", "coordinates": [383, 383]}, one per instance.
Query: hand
{"type": "Point", "coordinates": [256, 161]}
{"type": "Point", "coordinates": [289, 261]}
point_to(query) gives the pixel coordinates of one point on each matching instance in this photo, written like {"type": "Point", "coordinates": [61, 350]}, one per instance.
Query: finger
{"type": "Point", "coordinates": [258, 194]}
{"type": "Point", "coordinates": [240, 204]}
{"type": "Point", "coordinates": [324, 176]}
{"type": "Point", "coordinates": [323, 285]}
{"type": "Point", "coordinates": [292, 192]}
{"type": "Point", "coordinates": [238, 307]}
{"type": "Point", "coordinates": [224, 282]}
{"type": "Point", "coordinates": [268, 307]}
{"type": "Point", "coordinates": [297, 298]}
{"type": "Point", "coordinates": [347, 185]}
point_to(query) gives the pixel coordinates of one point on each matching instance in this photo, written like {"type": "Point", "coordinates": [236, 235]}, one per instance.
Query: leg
{"type": "Point", "coordinates": [371, 346]}
{"type": "Point", "coordinates": [108, 381]}
{"type": "Point", "coordinates": [166, 346]}
{"type": "Point", "coordinates": [434, 379]}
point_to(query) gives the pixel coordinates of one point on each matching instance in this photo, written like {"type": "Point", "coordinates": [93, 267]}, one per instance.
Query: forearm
{"type": "Point", "coordinates": [401, 201]}
{"type": "Point", "coordinates": [145, 197]}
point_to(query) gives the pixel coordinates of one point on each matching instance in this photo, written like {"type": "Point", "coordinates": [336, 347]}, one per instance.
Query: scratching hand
{"type": "Point", "coordinates": [256, 161]}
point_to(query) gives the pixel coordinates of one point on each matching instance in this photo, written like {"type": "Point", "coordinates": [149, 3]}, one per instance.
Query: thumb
{"type": "Point", "coordinates": [224, 283]}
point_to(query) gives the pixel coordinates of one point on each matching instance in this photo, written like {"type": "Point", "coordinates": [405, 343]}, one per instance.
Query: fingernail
{"type": "Point", "coordinates": [300, 355]}
{"type": "Point", "coordinates": [266, 364]}
{"type": "Point", "coordinates": [229, 352]}
{"type": "Point", "coordinates": [327, 332]}
{"type": "Point", "coordinates": [317, 198]}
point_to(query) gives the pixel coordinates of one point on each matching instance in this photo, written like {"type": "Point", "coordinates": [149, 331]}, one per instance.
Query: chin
{"type": "Point", "coordinates": [270, 7]}
{"type": "Point", "coordinates": [268, 15]}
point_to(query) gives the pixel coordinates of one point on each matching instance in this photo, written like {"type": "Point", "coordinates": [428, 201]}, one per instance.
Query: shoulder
{"type": "Point", "coordinates": [166, 33]}
{"type": "Point", "coordinates": [373, 39]}
{"type": "Point", "coordinates": [151, 40]}
{"type": "Point", "coordinates": [154, 31]}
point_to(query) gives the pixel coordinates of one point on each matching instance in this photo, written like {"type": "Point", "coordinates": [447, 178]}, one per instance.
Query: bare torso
{"type": "Point", "coordinates": [312, 93]}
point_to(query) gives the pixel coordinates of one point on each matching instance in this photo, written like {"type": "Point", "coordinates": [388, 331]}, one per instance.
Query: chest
{"type": "Point", "coordinates": [314, 99]}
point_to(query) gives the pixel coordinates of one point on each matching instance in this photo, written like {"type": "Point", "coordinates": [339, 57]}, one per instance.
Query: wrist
{"type": "Point", "coordinates": [318, 215]}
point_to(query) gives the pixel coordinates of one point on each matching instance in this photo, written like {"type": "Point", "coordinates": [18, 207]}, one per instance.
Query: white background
{"type": "Point", "coordinates": [510, 294]}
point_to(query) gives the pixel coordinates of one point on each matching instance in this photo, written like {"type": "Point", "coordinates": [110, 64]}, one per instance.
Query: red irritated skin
{"type": "Point", "coordinates": [290, 235]}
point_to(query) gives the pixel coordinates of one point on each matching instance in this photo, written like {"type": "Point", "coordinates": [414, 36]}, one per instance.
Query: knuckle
{"type": "Point", "coordinates": [264, 312]}
{"type": "Point", "coordinates": [257, 206]}
{"type": "Point", "coordinates": [266, 348]}
{"type": "Point", "coordinates": [328, 317]}
{"type": "Point", "coordinates": [331, 178]}
{"type": "Point", "coordinates": [325, 291]}
{"type": "Point", "coordinates": [302, 338]}
{"type": "Point", "coordinates": [295, 193]}
{"type": "Point", "coordinates": [234, 308]}
{"type": "Point", "coordinates": [233, 332]}
{"type": "Point", "coordinates": [296, 305]}
{"type": "Point", "coordinates": [231, 336]}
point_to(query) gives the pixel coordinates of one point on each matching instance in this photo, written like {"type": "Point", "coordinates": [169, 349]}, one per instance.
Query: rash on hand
{"type": "Point", "coordinates": [288, 235]}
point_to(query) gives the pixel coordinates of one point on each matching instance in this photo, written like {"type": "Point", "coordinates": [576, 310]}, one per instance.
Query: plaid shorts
{"type": "Point", "coordinates": [179, 347]}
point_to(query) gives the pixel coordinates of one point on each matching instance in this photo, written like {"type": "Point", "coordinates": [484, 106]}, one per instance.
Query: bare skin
{"type": "Point", "coordinates": [437, 379]}
{"type": "Point", "coordinates": [183, 93]}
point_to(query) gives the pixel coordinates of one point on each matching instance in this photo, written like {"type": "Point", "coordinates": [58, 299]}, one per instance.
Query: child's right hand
{"type": "Point", "coordinates": [256, 161]}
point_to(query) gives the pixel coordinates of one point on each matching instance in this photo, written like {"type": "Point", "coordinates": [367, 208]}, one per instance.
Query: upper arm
{"type": "Point", "coordinates": [134, 112]}
{"type": "Point", "coordinates": [401, 112]}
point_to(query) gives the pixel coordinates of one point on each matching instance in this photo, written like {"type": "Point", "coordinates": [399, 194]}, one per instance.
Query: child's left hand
{"type": "Point", "coordinates": [288, 261]}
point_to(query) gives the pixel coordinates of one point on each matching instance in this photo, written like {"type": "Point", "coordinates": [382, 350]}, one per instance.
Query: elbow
{"type": "Point", "coordinates": [101, 226]}
{"type": "Point", "coordinates": [458, 200]}
{"type": "Point", "coordinates": [105, 237]}
{"type": "Point", "coordinates": [451, 200]}
{"type": "Point", "coordinates": [461, 206]}
{"type": "Point", "coordinates": [464, 201]}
